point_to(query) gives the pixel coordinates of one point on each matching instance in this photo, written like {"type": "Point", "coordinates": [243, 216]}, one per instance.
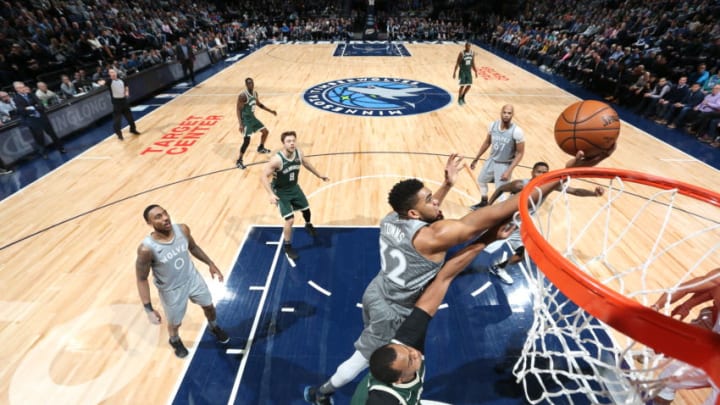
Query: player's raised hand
{"type": "Point", "coordinates": [452, 168]}
{"type": "Point", "coordinates": [580, 160]}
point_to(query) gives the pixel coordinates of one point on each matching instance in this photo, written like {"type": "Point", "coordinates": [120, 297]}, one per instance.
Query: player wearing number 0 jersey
{"type": "Point", "coordinates": [414, 241]}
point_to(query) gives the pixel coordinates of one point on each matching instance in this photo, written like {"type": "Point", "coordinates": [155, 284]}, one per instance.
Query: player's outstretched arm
{"type": "Point", "coordinates": [142, 272]}
{"type": "Point", "coordinates": [442, 235]}
{"type": "Point", "coordinates": [434, 293]}
{"type": "Point", "coordinates": [452, 168]}
{"type": "Point", "coordinates": [512, 187]}
{"type": "Point", "coordinates": [313, 170]}
{"type": "Point", "coordinates": [702, 287]}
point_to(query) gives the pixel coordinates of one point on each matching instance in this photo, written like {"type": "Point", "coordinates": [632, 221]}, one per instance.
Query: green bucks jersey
{"type": "Point", "coordinates": [467, 61]}
{"type": "Point", "coordinates": [287, 176]}
{"type": "Point", "coordinates": [248, 110]}
{"type": "Point", "coordinates": [407, 394]}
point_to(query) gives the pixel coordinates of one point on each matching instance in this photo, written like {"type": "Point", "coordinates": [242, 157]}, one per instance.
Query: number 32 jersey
{"type": "Point", "coordinates": [405, 272]}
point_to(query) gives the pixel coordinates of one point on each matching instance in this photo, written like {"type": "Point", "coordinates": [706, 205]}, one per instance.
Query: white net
{"type": "Point", "coordinates": [640, 241]}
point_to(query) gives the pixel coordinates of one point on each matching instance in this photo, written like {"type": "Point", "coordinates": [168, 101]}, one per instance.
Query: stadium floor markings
{"type": "Point", "coordinates": [254, 327]}
{"type": "Point", "coordinates": [318, 288]}
{"type": "Point", "coordinates": [481, 289]}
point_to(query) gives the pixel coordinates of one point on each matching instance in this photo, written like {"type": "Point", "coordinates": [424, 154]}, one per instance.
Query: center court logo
{"type": "Point", "coordinates": [377, 97]}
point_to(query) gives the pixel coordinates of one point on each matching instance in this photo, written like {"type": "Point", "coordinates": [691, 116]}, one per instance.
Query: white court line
{"type": "Point", "coordinates": [200, 331]}
{"type": "Point", "coordinates": [481, 289]}
{"type": "Point", "coordinates": [443, 306]}
{"type": "Point", "coordinates": [287, 309]}
{"type": "Point", "coordinates": [359, 305]}
{"type": "Point", "coordinates": [234, 351]}
{"type": "Point", "coordinates": [257, 288]}
{"type": "Point", "coordinates": [272, 243]}
{"type": "Point", "coordinates": [291, 261]}
{"type": "Point", "coordinates": [253, 329]}
{"type": "Point", "coordinates": [317, 287]}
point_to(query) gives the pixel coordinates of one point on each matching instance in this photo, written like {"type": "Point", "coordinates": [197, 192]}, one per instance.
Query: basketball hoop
{"type": "Point", "coordinates": [611, 259]}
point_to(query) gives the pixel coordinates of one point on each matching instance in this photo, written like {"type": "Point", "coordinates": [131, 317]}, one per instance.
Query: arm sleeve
{"type": "Point", "coordinates": [518, 135]}
{"type": "Point", "coordinates": [376, 397]}
{"type": "Point", "coordinates": [413, 330]}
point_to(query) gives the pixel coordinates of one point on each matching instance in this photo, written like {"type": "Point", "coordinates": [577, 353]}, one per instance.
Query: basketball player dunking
{"type": "Point", "coordinates": [414, 240]}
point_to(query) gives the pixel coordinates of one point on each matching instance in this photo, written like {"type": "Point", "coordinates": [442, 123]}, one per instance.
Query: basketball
{"type": "Point", "coordinates": [591, 126]}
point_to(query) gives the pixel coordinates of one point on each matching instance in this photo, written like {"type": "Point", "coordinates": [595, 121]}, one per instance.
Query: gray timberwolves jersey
{"type": "Point", "coordinates": [503, 142]}
{"type": "Point", "coordinates": [404, 271]}
{"type": "Point", "coordinates": [171, 265]}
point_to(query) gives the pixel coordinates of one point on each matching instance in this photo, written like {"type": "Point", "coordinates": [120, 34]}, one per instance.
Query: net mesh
{"type": "Point", "coordinates": [638, 240]}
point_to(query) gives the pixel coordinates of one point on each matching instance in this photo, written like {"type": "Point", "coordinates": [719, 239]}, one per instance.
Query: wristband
{"type": "Point", "coordinates": [148, 307]}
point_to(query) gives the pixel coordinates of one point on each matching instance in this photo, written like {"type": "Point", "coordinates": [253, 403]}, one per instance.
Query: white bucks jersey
{"type": "Point", "coordinates": [503, 142]}
{"type": "Point", "coordinates": [171, 265]}
{"type": "Point", "coordinates": [405, 272]}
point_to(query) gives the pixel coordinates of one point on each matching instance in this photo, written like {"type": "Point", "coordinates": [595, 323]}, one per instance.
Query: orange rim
{"type": "Point", "coordinates": [691, 344]}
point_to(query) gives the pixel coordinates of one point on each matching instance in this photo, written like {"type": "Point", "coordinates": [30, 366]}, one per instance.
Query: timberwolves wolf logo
{"type": "Point", "coordinates": [377, 97]}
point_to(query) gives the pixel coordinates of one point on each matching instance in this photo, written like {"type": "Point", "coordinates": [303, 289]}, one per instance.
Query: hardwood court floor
{"type": "Point", "coordinates": [73, 330]}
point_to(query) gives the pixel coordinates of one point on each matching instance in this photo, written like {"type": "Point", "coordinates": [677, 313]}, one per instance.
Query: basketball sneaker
{"type": "Point", "coordinates": [312, 396]}
{"type": "Point", "coordinates": [482, 203]}
{"type": "Point", "coordinates": [310, 229]}
{"type": "Point", "coordinates": [220, 335]}
{"type": "Point", "coordinates": [179, 347]}
{"type": "Point", "coordinates": [291, 253]}
{"type": "Point", "coordinates": [240, 165]}
{"type": "Point", "coordinates": [501, 273]}
{"type": "Point", "coordinates": [262, 149]}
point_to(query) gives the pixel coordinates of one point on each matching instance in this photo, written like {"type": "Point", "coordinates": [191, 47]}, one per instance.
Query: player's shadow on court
{"type": "Point", "coordinates": [271, 323]}
{"type": "Point", "coordinates": [475, 382]}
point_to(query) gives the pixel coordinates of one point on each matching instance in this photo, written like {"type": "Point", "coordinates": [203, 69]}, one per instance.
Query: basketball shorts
{"type": "Point", "coordinates": [492, 171]}
{"type": "Point", "coordinates": [381, 320]}
{"type": "Point", "coordinates": [175, 301]}
{"type": "Point", "coordinates": [465, 77]}
{"type": "Point", "coordinates": [681, 375]}
{"type": "Point", "coordinates": [252, 125]}
{"type": "Point", "coordinates": [291, 199]}
{"type": "Point", "coordinates": [514, 240]}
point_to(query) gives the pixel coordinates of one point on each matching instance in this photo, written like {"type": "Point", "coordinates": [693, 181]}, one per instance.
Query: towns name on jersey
{"type": "Point", "coordinates": [393, 231]}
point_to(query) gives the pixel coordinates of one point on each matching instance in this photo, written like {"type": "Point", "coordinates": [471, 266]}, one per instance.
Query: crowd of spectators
{"type": "Point", "coordinates": [63, 49]}
{"type": "Point", "coordinates": [659, 58]}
